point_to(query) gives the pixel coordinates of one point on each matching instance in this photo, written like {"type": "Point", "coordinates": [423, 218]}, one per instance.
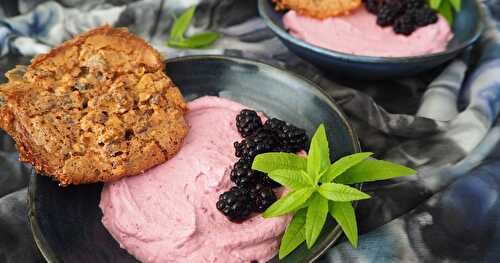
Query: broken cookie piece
{"type": "Point", "coordinates": [319, 9]}
{"type": "Point", "coordinates": [95, 109]}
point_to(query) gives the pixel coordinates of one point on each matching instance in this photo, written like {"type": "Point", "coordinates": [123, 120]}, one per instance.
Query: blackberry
{"type": "Point", "coordinates": [388, 13]}
{"type": "Point", "coordinates": [265, 180]}
{"type": "Point", "coordinates": [263, 197]}
{"type": "Point", "coordinates": [372, 6]}
{"type": "Point", "coordinates": [236, 204]}
{"type": "Point", "coordinates": [289, 137]}
{"type": "Point", "coordinates": [248, 122]}
{"type": "Point", "coordinates": [425, 16]}
{"type": "Point", "coordinates": [274, 124]}
{"type": "Point", "coordinates": [414, 4]}
{"type": "Point", "coordinates": [238, 148]}
{"type": "Point", "coordinates": [293, 139]}
{"type": "Point", "coordinates": [243, 175]}
{"type": "Point", "coordinates": [405, 25]}
{"type": "Point", "coordinates": [260, 142]}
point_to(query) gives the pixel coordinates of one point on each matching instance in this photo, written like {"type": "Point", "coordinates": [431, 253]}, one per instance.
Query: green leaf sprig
{"type": "Point", "coordinates": [318, 188]}
{"type": "Point", "coordinates": [179, 28]}
{"type": "Point", "coordinates": [446, 8]}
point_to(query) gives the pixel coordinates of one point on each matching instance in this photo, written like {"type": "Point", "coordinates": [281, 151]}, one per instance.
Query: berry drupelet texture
{"type": "Point", "coordinates": [292, 138]}
{"type": "Point", "coordinates": [274, 124]}
{"type": "Point", "coordinates": [425, 16]}
{"type": "Point", "coordinates": [372, 5]}
{"type": "Point", "coordinates": [265, 180]}
{"type": "Point", "coordinates": [236, 204]}
{"type": "Point", "coordinates": [414, 4]}
{"type": "Point", "coordinates": [404, 25]}
{"type": "Point", "coordinates": [263, 197]}
{"type": "Point", "coordinates": [243, 175]}
{"type": "Point", "coordinates": [248, 122]}
{"type": "Point", "coordinates": [255, 144]}
{"type": "Point", "coordinates": [388, 13]}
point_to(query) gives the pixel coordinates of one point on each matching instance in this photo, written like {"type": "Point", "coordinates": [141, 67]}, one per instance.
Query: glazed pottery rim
{"type": "Point", "coordinates": [50, 256]}
{"type": "Point", "coordinates": [479, 28]}
{"type": "Point", "coordinates": [41, 243]}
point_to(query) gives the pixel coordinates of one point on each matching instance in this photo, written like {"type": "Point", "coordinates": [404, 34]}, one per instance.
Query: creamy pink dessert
{"type": "Point", "coordinates": [359, 34]}
{"type": "Point", "coordinates": [168, 214]}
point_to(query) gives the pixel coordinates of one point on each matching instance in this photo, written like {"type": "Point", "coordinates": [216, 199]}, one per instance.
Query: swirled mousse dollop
{"type": "Point", "coordinates": [359, 34]}
{"type": "Point", "coordinates": [168, 214]}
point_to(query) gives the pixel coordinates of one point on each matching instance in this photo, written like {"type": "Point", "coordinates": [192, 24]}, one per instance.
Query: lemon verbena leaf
{"type": "Point", "coordinates": [344, 163]}
{"type": "Point", "coordinates": [341, 193]}
{"type": "Point", "coordinates": [181, 24]}
{"type": "Point", "coordinates": [446, 11]}
{"type": "Point", "coordinates": [197, 41]}
{"type": "Point", "coordinates": [318, 158]}
{"type": "Point", "coordinates": [373, 170]}
{"type": "Point", "coordinates": [268, 162]}
{"type": "Point", "coordinates": [201, 40]}
{"type": "Point", "coordinates": [315, 219]}
{"type": "Point", "coordinates": [294, 179]}
{"type": "Point", "coordinates": [344, 214]}
{"type": "Point", "coordinates": [456, 4]}
{"type": "Point", "coordinates": [289, 202]}
{"type": "Point", "coordinates": [294, 234]}
{"type": "Point", "coordinates": [304, 205]}
{"type": "Point", "coordinates": [435, 3]}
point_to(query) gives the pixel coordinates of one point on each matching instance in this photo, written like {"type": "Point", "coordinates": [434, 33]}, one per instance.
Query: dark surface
{"type": "Point", "coordinates": [66, 221]}
{"type": "Point", "coordinates": [466, 29]}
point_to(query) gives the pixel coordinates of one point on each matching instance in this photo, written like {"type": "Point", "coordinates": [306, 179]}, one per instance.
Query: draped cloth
{"type": "Point", "coordinates": [442, 123]}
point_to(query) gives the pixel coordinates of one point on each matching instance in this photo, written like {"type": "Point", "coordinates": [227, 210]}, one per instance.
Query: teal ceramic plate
{"type": "Point", "coordinates": [66, 222]}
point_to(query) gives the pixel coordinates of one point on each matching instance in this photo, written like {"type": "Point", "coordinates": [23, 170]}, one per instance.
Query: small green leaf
{"type": "Point", "coordinates": [341, 193]}
{"type": "Point", "coordinates": [435, 3]}
{"type": "Point", "coordinates": [197, 41]}
{"type": "Point", "coordinates": [294, 179]}
{"type": "Point", "coordinates": [268, 162]}
{"type": "Point", "coordinates": [294, 234]}
{"type": "Point", "coordinates": [178, 43]}
{"type": "Point", "coordinates": [315, 219]}
{"type": "Point", "coordinates": [304, 205]}
{"type": "Point", "coordinates": [342, 165]}
{"type": "Point", "coordinates": [289, 203]}
{"type": "Point", "coordinates": [373, 170]}
{"type": "Point", "coordinates": [182, 24]}
{"type": "Point", "coordinates": [343, 212]}
{"type": "Point", "coordinates": [318, 158]}
{"type": "Point", "coordinates": [456, 4]}
{"type": "Point", "coordinates": [446, 11]}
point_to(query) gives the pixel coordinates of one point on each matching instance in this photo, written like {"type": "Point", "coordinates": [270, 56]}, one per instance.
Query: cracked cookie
{"type": "Point", "coordinates": [319, 9]}
{"type": "Point", "coordinates": [95, 109]}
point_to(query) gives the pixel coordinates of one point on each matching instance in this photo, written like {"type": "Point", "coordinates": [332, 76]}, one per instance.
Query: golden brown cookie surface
{"type": "Point", "coordinates": [319, 9]}
{"type": "Point", "coordinates": [95, 109]}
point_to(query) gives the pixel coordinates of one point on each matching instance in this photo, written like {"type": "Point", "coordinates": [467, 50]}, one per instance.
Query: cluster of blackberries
{"type": "Point", "coordinates": [240, 202]}
{"type": "Point", "coordinates": [254, 190]}
{"type": "Point", "coordinates": [405, 16]}
{"type": "Point", "coordinates": [273, 136]}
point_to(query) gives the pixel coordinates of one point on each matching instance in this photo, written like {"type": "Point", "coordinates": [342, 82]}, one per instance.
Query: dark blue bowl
{"type": "Point", "coordinates": [66, 222]}
{"type": "Point", "coordinates": [467, 28]}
